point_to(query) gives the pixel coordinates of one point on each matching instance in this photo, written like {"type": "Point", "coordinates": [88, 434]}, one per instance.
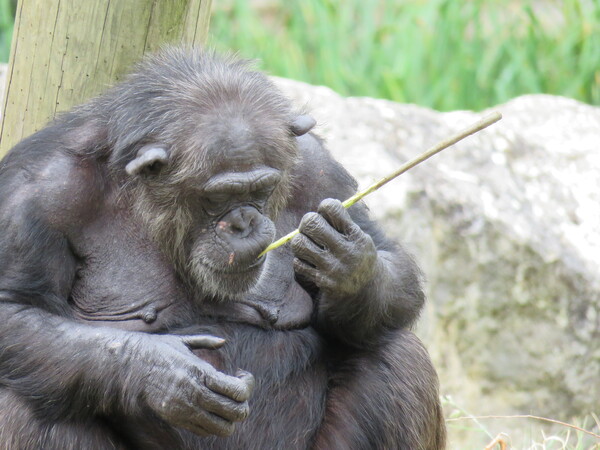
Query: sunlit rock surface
{"type": "Point", "coordinates": [507, 228]}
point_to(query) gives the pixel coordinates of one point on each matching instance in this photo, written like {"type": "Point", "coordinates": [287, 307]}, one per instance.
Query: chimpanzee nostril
{"type": "Point", "coordinates": [239, 222]}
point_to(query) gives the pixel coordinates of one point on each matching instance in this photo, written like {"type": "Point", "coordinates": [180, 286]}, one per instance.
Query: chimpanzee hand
{"type": "Point", "coordinates": [333, 252]}
{"type": "Point", "coordinates": [188, 392]}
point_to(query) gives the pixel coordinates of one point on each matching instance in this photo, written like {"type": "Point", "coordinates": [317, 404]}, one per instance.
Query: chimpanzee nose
{"type": "Point", "coordinates": [240, 221]}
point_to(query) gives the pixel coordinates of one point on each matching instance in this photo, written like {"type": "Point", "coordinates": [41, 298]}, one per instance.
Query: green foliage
{"type": "Point", "coordinates": [6, 27]}
{"type": "Point", "coordinates": [443, 54]}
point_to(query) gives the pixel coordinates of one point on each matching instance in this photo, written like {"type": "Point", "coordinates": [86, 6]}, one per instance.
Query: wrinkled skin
{"type": "Point", "coordinates": [135, 312]}
{"type": "Point", "coordinates": [201, 399]}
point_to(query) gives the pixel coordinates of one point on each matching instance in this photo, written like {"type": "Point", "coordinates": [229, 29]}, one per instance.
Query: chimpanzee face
{"type": "Point", "coordinates": [209, 196]}
{"type": "Point", "coordinates": [208, 155]}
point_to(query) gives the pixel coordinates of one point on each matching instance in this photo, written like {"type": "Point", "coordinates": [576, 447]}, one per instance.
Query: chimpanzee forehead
{"type": "Point", "coordinates": [238, 142]}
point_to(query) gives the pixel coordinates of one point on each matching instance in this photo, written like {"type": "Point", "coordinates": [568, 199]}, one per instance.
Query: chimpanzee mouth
{"type": "Point", "coordinates": [233, 268]}
{"type": "Point", "coordinates": [233, 282]}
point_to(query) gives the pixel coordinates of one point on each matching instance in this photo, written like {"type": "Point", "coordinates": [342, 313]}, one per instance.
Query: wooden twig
{"type": "Point", "coordinates": [478, 126]}
{"type": "Point", "coordinates": [498, 440]}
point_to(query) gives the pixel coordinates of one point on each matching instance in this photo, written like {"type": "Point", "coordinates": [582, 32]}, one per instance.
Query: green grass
{"type": "Point", "coordinates": [6, 27]}
{"type": "Point", "coordinates": [443, 54]}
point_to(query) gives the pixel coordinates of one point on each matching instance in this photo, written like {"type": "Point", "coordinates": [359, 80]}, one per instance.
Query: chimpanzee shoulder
{"type": "Point", "coordinates": [45, 191]}
{"type": "Point", "coordinates": [52, 173]}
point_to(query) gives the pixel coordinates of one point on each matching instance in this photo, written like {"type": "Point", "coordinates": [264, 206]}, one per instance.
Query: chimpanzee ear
{"type": "Point", "coordinates": [150, 159]}
{"type": "Point", "coordinates": [302, 124]}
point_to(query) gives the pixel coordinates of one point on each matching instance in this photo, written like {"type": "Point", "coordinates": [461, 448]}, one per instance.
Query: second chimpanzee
{"type": "Point", "coordinates": [134, 312]}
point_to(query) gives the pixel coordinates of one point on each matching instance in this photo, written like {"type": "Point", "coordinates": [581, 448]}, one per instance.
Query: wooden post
{"type": "Point", "coordinates": [66, 51]}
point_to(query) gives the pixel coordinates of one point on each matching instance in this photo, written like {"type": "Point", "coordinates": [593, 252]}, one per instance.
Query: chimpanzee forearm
{"type": "Point", "coordinates": [69, 370]}
{"type": "Point", "coordinates": [64, 368]}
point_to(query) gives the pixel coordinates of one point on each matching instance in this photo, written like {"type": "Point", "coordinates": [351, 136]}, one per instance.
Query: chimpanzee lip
{"type": "Point", "coordinates": [233, 270]}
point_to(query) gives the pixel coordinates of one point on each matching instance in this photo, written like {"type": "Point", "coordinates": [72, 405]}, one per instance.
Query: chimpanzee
{"type": "Point", "coordinates": [135, 311]}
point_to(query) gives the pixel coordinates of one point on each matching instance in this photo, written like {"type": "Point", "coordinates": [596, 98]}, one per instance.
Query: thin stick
{"type": "Point", "coordinates": [478, 126]}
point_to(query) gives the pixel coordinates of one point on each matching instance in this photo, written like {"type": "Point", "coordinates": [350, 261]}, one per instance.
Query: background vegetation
{"type": "Point", "coordinates": [7, 13]}
{"type": "Point", "coordinates": [444, 54]}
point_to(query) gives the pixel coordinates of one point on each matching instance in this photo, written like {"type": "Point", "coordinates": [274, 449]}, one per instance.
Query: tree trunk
{"type": "Point", "coordinates": [66, 51]}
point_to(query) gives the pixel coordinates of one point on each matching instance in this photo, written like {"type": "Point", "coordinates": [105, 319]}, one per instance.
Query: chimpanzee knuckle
{"type": "Point", "coordinates": [248, 379]}
{"type": "Point", "coordinates": [182, 379]}
{"type": "Point", "coordinates": [240, 392]}
{"type": "Point", "coordinates": [301, 268]}
{"type": "Point", "coordinates": [355, 233]}
{"type": "Point", "coordinates": [299, 244]}
{"type": "Point", "coordinates": [243, 411]}
{"type": "Point", "coordinates": [313, 255]}
{"type": "Point", "coordinates": [327, 282]}
{"type": "Point", "coordinates": [337, 271]}
{"type": "Point", "coordinates": [335, 213]}
{"type": "Point", "coordinates": [169, 401]}
{"type": "Point", "coordinates": [312, 224]}
{"type": "Point", "coordinates": [322, 280]}
{"type": "Point", "coordinates": [330, 206]}
{"type": "Point", "coordinates": [325, 263]}
{"type": "Point", "coordinates": [235, 412]}
{"type": "Point", "coordinates": [245, 389]}
{"type": "Point", "coordinates": [231, 387]}
{"type": "Point", "coordinates": [298, 265]}
{"type": "Point", "coordinates": [222, 406]}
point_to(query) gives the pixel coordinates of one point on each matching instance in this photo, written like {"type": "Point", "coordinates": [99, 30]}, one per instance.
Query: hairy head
{"type": "Point", "coordinates": [203, 147]}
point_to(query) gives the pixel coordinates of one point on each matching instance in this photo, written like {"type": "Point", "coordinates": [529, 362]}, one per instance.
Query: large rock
{"type": "Point", "coordinates": [507, 228]}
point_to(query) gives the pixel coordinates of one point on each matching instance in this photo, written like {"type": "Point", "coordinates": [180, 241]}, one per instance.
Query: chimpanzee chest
{"type": "Point", "coordinates": [123, 280]}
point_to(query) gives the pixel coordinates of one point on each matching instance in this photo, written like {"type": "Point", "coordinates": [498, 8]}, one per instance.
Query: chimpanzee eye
{"type": "Point", "coordinates": [217, 199]}
{"type": "Point", "coordinates": [215, 203]}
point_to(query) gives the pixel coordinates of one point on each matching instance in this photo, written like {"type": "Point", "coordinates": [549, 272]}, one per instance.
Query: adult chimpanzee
{"type": "Point", "coordinates": [130, 230]}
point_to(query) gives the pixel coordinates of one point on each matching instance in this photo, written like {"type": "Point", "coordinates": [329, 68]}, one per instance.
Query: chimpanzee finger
{"type": "Point", "coordinates": [204, 422]}
{"type": "Point", "coordinates": [338, 217]}
{"type": "Point", "coordinates": [238, 389]}
{"type": "Point", "coordinates": [306, 250]}
{"type": "Point", "coordinates": [222, 406]}
{"type": "Point", "coordinates": [316, 227]}
{"type": "Point", "coordinates": [246, 377]}
{"type": "Point", "coordinates": [312, 274]}
{"type": "Point", "coordinates": [200, 341]}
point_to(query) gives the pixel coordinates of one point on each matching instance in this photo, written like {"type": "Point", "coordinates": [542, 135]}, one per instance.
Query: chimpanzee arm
{"type": "Point", "coordinates": [67, 369]}
{"type": "Point", "coordinates": [367, 284]}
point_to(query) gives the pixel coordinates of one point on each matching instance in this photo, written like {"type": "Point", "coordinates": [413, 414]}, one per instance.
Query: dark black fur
{"type": "Point", "coordinates": [121, 238]}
